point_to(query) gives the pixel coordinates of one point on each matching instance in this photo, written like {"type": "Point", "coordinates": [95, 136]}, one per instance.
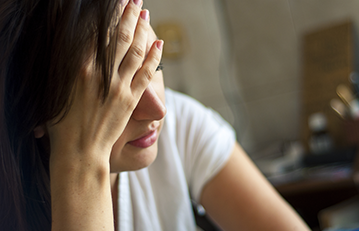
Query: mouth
{"type": "Point", "coordinates": [146, 140]}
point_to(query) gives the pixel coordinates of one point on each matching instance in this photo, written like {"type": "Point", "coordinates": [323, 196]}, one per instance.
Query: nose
{"type": "Point", "coordinates": [150, 106]}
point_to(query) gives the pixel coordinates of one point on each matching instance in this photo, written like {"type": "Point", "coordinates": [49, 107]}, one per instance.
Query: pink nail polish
{"type": "Point", "coordinates": [137, 2]}
{"type": "Point", "coordinates": [145, 14]}
{"type": "Point", "coordinates": [159, 44]}
{"type": "Point", "coordinates": [123, 2]}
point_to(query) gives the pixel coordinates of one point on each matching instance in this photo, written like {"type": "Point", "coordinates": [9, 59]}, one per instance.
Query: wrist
{"type": "Point", "coordinates": [80, 190]}
{"type": "Point", "coordinates": [79, 153]}
{"type": "Point", "coordinates": [79, 164]}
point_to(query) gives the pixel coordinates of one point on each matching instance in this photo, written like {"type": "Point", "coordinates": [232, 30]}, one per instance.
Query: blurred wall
{"type": "Point", "coordinates": [243, 58]}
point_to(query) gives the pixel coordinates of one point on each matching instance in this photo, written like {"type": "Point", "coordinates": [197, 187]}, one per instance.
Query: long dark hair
{"type": "Point", "coordinates": [43, 46]}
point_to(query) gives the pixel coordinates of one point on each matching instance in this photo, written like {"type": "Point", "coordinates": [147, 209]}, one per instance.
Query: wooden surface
{"type": "Point", "coordinates": [327, 62]}
{"type": "Point", "coordinates": [311, 195]}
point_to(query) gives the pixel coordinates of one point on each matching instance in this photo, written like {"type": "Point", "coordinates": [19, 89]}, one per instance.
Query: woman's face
{"type": "Point", "coordinates": [136, 148]}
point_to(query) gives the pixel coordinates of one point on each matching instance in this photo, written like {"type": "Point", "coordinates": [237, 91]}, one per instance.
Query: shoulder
{"type": "Point", "coordinates": [185, 109]}
{"type": "Point", "coordinates": [179, 102]}
{"type": "Point", "coordinates": [188, 117]}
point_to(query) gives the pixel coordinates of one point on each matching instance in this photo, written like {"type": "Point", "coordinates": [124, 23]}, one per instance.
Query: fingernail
{"type": "Point", "coordinates": [159, 44]}
{"type": "Point", "coordinates": [145, 15]}
{"type": "Point", "coordinates": [123, 2]}
{"type": "Point", "coordinates": [137, 2]}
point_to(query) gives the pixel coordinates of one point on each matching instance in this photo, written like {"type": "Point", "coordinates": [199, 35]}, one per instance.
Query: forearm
{"type": "Point", "coordinates": [239, 197]}
{"type": "Point", "coordinates": [81, 194]}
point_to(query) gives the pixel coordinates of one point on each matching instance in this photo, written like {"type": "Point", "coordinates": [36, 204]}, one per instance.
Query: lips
{"type": "Point", "coordinates": [145, 141]}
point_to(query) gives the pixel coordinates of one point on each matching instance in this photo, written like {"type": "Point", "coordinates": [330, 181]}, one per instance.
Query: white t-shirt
{"type": "Point", "coordinates": [193, 146]}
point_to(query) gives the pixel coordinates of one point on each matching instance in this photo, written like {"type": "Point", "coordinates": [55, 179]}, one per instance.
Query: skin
{"type": "Point", "coordinates": [91, 145]}
{"type": "Point", "coordinates": [148, 115]}
{"type": "Point", "coordinates": [240, 198]}
{"type": "Point", "coordinates": [81, 143]}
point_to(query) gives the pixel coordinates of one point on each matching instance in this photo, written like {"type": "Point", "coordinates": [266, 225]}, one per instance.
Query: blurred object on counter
{"type": "Point", "coordinates": [348, 109]}
{"type": "Point", "coordinates": [334, 165]}
{"type": "Point", "coordinates": [343, 216]}
{"type": "Point", "coordinates": [349, 99]}
{"type": "Point", "coordinates": [344, 94]}
{"type": "Point", "coordinates": [330, 172]}
{"type": "Point", "coordinates": [339, 107]}
{"type": "Point", "coordinates": [288, 158]}
{"type": "Point", "coordinates": [320, 140]}
{"type": "Point", "coordinates": [287, 162]}
{"type": "Point", "coordinates": [327, 62]}
{"type": "Point", "coordinates": [339, 155]}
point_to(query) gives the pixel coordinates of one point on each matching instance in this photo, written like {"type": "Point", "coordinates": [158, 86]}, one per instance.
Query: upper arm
{"type": "Point", "coordinates": [240, 197]}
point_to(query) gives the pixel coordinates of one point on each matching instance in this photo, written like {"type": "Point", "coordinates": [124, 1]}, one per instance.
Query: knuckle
{"type": "Point", "coordinates": [125, 36]}
{"type": "Point", "coordinates": [134, 11]}
{"type": "Point", "coordinates": [148, 74]}
{"type": "Point", "coordinates": [138, 51]}
{"type": "Point", "coordinates": [126, 101]}
{"type": "Point", "coordinates": [129, 104]}
{"type": "Point", "coordinates": [155, 57]}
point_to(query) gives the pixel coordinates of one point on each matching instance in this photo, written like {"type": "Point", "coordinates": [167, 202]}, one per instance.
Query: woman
{"type": "Point", "coordinates": [82, 109]}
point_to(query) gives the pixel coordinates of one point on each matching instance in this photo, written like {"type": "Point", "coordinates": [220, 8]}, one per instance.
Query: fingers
{"type": "Point", "coordinates": [137, 51]}
{"type": "Point", "coordinates": [127, 27]}
{"type": "Point", "coordinates": [145, 74]}
{"type": "Point", "coordinates": [134, 71]}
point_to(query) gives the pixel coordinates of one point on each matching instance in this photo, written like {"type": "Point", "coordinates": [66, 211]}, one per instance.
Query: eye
{"type": "Point", "coordinates": [159, 67]}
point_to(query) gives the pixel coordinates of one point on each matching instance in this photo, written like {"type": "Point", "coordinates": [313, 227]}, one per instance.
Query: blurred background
{"type": "Point", "coordinates": [243, 58]}
{"type": "Point", "coordinates": [250, 60]}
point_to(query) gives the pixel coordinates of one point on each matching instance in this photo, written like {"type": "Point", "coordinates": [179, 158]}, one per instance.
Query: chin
{"type": "Point", "coordinates": [133, 158]}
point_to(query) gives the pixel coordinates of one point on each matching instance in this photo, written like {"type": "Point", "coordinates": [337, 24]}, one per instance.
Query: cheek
{"type": "Point", "coordinates": [118, 162]}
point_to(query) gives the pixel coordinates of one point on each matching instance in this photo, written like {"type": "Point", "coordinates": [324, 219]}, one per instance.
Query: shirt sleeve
{"type": "Point", "coordinates": [205, 141]}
